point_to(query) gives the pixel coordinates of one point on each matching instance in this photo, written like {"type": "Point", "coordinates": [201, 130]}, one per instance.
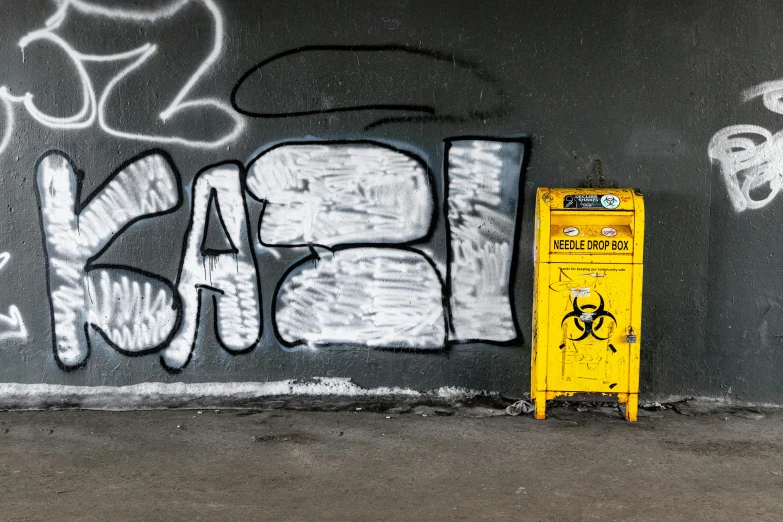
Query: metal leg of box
{"type": "Point", "coordinates": [632, 407]}
{"type": "Point", "coordinates": [541, 407]}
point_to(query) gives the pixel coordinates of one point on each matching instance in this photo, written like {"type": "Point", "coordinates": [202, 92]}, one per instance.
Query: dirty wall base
{"type": "Point", "coordinates": [319, 394]}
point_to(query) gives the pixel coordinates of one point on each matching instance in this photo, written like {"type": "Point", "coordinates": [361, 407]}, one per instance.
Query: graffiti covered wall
{"type": "Point", "coordinates": [201, 191]}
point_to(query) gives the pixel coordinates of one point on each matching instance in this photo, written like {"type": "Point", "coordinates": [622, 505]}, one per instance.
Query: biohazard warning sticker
{"type": "Point", "coordinates": [610, 201]}
{"type": "Point", "coordinates": [607, 201]}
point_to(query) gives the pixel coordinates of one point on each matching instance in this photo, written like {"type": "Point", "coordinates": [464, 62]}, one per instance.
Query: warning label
{"type": "Point", "coordinates": [605, 201]}
{"type": "Point", "coordinates": [590, 245]}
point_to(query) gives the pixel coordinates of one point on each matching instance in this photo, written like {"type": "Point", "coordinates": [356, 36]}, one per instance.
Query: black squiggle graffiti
{"type": "Point", "coordinates": [366, 68]}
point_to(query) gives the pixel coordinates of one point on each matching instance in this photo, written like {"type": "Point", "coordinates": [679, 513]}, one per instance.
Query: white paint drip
{"type": "Point", "coordinates": [233, 274]}
{"type": "Point", "coordinates": [145, 187]}
{"type": "Point", "coordinates": [365, 296]}
{"type": "Point", "coordinates": [481, 234]}
{"type": "Point", "coordinates": [93, 105]}
{"type": "Point", "coordinates": [751, 157]}
{"type": "Point", "coordinates": [340, 193]}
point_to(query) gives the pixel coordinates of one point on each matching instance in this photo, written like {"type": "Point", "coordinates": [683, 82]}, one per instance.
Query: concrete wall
{"type": "Point", "coordinates": [142, 143]}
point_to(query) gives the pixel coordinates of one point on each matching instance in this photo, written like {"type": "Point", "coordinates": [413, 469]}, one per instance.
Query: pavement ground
{"type": "Point", "coordinates": [427, 464]}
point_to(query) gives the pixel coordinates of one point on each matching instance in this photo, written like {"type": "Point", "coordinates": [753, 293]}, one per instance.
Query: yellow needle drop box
{"type": "Point", "coordinates": [587, 307]}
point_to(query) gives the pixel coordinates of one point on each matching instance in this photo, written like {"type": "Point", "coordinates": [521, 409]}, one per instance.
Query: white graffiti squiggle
{"type": "Point", "coordinates": [751, 157]}
{"type": "Point", "coordinates": [13, 321]}
{"type": "Point", "coordinates": [94, 105]}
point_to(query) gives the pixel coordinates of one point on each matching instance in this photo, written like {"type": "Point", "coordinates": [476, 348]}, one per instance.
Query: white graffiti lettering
{"type": "Point", "coordinates": [76, 233]}
{"type": "Point", "coordinates": [338, 193]}
{"type": "Point", "coordinates": [134, 314]}
{"type": "Point", "coordinates": [483, 179]}
{"type": "Point", "coordinates": [94, 102]}
{"type": "Point", "coordinates": [364, 210]}
{"type": "Point", "coordinates": [751, 157]}
{"type": "Point", "coordinates": [231, 274]}
{"type": "Point", "coordinates": [13, 322]}
{"type": "Point", "coordinates": [383, 297]}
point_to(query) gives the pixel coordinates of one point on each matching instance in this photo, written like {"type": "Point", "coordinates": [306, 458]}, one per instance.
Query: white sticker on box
{"type": "Point", "coordinates": [609, 231]}
{"type": "Point", "coordinates": [580, 292]}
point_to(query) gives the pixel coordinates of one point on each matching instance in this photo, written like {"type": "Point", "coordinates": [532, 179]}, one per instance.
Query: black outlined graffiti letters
{"type": "Point", "coordinates": [361, 195]}
{"type": "Point", "coordinates": [230, 276]}
{"type": "Point", "coordinates": [76, 233]}
{"type": "Point", "coordinates": [368, 296]}
{"type": "Point", "coordinates": [341, 192]}
{"type": "Point", "coordinates": [361, 213]}
{"type": "Point", "coordinates": [482, 201]}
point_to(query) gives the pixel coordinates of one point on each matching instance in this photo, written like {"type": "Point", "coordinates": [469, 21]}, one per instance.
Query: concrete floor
{"type": "Point", "coordinates": [345, 466]}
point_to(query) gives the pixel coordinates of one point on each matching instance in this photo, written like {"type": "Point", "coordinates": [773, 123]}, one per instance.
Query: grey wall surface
{"type": "Point", "coordinates": [624, 93]}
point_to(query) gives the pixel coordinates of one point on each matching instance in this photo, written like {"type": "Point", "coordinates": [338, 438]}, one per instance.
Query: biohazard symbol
{"type": "Point", "coordinates": [591, 317]}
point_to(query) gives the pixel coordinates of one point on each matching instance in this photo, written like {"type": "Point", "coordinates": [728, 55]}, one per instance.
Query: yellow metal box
{"type": "Point", "coordinates": [587, 307]}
